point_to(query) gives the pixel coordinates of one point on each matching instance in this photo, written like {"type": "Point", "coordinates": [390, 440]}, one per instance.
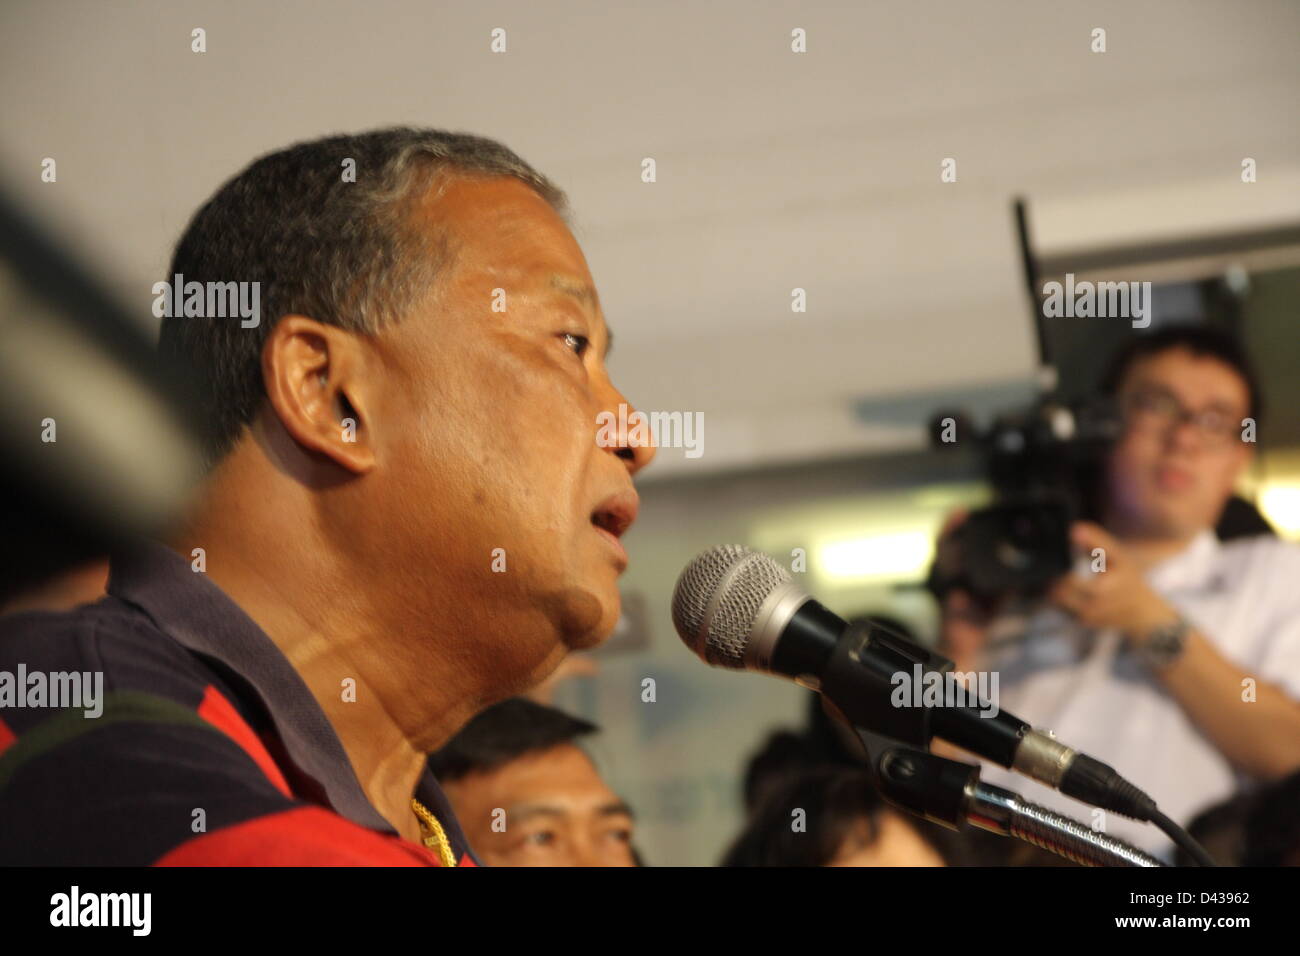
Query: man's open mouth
{"type": "Point", "coordinates": [616, 513]}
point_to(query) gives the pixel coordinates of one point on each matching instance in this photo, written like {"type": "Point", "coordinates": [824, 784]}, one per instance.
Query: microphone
{"type": "Point", "coordinates": [740, 609]}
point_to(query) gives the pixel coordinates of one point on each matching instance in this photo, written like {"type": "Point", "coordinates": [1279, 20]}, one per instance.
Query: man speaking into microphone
{"type": "Point", "coordinates": [407, 518]}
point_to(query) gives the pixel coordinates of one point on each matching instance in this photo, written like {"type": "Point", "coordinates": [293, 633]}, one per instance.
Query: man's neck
{"type": "Point", "coordinates": [271, 561]}
{"type": "Point", "coordinates": [1147, 548]}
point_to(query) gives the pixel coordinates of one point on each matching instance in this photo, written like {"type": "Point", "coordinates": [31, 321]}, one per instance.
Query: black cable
{"type": "Point", "coordinates": [1099, 784]}
{"type": "Point", "coordinates": [1183, 839]}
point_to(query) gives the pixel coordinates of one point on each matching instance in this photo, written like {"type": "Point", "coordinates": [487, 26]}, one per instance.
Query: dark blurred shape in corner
{"type": "Point", "coordinates": [96, 444]}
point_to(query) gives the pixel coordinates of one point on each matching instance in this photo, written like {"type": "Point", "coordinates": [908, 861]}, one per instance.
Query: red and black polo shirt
{"type": "Point", "coordinates": [208, 748]}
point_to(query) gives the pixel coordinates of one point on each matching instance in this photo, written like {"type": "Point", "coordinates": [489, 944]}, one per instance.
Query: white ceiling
{"type": "Point", "coordinates": [775, 170]}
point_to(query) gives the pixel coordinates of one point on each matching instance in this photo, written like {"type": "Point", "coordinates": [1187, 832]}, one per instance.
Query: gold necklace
{"type": "Point", "coordinates": [432, 833]}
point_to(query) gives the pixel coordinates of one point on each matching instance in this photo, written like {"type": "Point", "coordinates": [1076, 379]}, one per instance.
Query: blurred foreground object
{"type": "Point", "coordinates": [94, 445]}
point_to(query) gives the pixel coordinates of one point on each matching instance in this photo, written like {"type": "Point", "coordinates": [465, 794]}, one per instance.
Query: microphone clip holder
{"type": "Point", "coordinates": [949, 792]}
{"type": "Point", "coordinates": [860, 675]}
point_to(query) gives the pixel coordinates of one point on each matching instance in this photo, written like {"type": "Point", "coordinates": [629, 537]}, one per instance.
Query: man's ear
{"type": "Point", "coordinates": [315, 383]}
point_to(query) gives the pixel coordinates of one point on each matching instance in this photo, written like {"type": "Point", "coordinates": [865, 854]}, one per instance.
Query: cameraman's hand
{"type": "Point", "coordinates": [964, 631]}
{"type": "Point", "coordinates": [1118, 597]}
{"type": "Point", "coordinates": [964, 624]}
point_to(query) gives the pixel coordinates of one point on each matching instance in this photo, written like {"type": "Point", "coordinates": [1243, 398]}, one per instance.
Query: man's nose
{"type": "Point", "coordinates": [586, 852]}
{"type": "Point", "coordinates": [635, 443]}
{"type": "Point", "coordinates": [1186, 435]}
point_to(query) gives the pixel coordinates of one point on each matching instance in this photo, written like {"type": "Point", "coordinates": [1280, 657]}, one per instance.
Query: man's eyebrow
{"type": "Point", "coordinates": [616, 809]}
{"type": "Point", "coordinates": [574, 287]}
{"type": "Point", "coordinates": [584, 294]}
{"type": "Point", "coordinates": [1217, 404]}
{"type": "Point", "coordinates": [1151, 385]}
{"type": "Point", "coordinates": [1221, 405]}
{"type": "Point", "coordinates": [525, 810]}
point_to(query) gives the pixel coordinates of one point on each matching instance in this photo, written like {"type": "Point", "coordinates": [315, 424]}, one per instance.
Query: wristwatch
{"type": "Point", "coordinates": [1164, 645]}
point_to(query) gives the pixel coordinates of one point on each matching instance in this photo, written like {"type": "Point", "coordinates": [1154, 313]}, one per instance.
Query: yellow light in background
{"type": "Point", "coordinates": [1280, 504]}
{"type": "Point", "coordinates": [903, 554]}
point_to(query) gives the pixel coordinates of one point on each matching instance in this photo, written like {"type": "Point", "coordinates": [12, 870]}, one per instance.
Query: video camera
{"type": "Point", "coordinates": [1043, 463]}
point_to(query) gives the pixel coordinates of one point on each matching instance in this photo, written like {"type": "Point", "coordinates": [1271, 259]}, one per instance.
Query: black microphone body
{"type": "Point", "coordinates": [856, 669]}
{"type": "Point", "coordinates": [739, 609]}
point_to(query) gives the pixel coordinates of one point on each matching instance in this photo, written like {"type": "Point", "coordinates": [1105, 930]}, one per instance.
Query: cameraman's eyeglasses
{"type": "Point", "coordinates": [1155, 409]}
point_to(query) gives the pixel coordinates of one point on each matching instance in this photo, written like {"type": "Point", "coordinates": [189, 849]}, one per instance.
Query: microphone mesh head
{"type": "Point", "coordinates": [748, 577]}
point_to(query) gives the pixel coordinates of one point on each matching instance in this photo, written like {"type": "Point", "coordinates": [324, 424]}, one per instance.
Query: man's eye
{"type": "Point", "coordinates": [1155, 402]}
{"type": "Point", "coordinates": [1215, 422]}
{"type": "Point", "coordinates": [541, 838]}
{"type": "Point", "coordinates": [577, 342]}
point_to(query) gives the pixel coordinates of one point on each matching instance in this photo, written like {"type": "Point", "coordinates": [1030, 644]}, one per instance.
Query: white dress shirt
{"type": "Point", "coordinates": [1100, 698]}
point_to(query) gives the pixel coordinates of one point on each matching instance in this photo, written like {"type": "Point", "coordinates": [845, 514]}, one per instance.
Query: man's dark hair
{"type": "Point", "coordinates": [342, 252]}
{"type": "Point", "coordinates": [1272, 832]}
{"type": "Point", "coordinates": [1202, 341]}
{"type": "Point", "coordinates": [788, 753]}
{"type": "Point", "coordinates": [1221, 830]}
{"type": "Point", "coordinates": [506, 732]}
{"type": "Point", "coordinates": [834, 799]}
{"type": "Point", "coordinates": [1260, 827]}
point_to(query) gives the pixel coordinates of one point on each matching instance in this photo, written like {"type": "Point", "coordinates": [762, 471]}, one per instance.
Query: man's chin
{"type": "Point", "coordinates": [594, 637]}
{"type": "Point", "coordinates": [587, 616]}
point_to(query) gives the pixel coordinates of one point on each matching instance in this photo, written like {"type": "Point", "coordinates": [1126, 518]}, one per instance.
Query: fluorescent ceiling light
{"type": "Point", "coordinates": [902, 554]}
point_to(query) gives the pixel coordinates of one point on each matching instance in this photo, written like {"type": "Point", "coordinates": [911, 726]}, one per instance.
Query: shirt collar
{"type": "Point", "coordinates": [1194, 568]}
{"type": "Point", "coordinates": [188, 607]}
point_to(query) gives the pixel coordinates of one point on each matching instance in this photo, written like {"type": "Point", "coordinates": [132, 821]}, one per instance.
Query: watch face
{"type": "Point", "coordinates": [1164, 646]}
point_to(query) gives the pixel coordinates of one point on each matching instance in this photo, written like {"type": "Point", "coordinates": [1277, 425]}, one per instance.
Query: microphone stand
{"type": "Point", "coordinates": [950, 793]}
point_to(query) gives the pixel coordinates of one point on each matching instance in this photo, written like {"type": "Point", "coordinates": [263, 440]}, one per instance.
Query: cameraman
{"type": "Point", "coordinates": [1179, 663]}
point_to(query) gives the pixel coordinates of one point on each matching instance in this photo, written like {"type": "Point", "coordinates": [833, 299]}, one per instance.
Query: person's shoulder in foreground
{"type": "Point", "coordinates": [121, 746]}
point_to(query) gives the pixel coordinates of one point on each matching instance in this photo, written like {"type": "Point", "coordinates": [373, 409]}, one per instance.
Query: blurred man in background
{"type": "Point", "coordinates": [1179, 663]}
{"type": "Point", "coordinates": [528, 795]}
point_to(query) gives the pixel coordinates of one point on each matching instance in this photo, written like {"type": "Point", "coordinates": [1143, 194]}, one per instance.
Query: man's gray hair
{"type": "Point", "coordinates": [343, 252]}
